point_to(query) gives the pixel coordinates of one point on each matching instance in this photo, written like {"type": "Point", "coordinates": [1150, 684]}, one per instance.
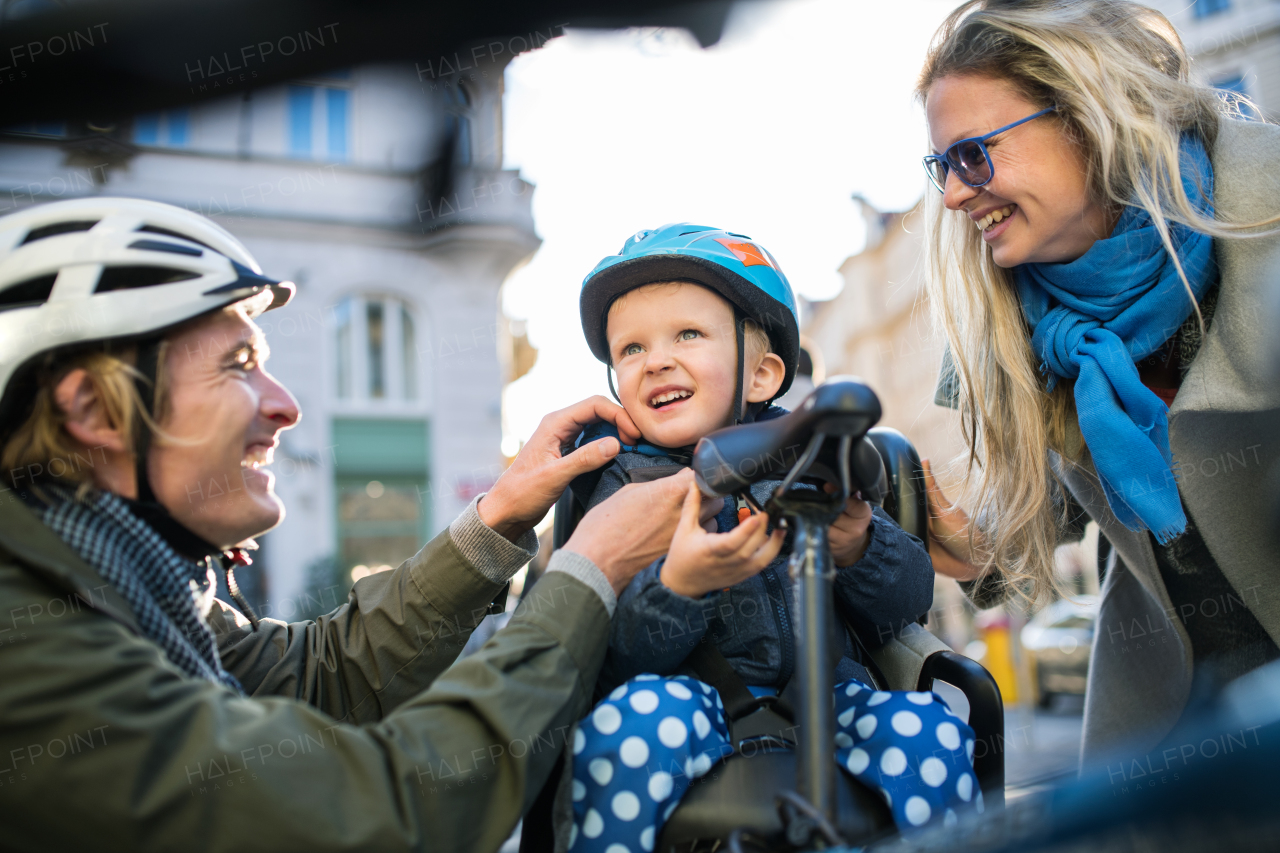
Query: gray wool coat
{"type": "Point", "coordinates": [1225, 440]}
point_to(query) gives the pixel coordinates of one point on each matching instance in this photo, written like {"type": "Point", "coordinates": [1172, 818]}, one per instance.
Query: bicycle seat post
{"type": "Point", "coordinates": [813, 573]}
{"type": "Point", "coordinates": [830, 426]}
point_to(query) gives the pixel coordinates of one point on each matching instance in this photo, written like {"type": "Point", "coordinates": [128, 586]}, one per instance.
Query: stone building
{"type": "Point", "coordinates": [380, 191]}
{"type": "Point", "coordinates": [878, 328]}
{"type": "Point", "coordinates": [1234, 45]}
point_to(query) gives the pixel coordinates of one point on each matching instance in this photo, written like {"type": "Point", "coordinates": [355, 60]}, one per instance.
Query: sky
{"type": "Point", "coordinates": [770, 133]}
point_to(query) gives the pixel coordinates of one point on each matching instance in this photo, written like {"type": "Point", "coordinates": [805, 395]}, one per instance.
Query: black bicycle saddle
{"type": "Point", "coordinates": [729, 460]}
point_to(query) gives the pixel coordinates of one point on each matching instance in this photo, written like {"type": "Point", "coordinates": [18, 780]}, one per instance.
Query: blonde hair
{"type": "Point", "coordinates": [41, 449]}
{"type": "Point", "coordinates": [1119, 76]}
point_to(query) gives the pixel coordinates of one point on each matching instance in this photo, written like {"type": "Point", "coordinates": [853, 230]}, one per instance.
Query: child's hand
{"type": "Point", "coordinates": [699, 562]}
{"type": "Point", "coordinates": [849, 534]}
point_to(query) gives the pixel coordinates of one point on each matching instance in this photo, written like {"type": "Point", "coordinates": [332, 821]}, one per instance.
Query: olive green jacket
{"type": "Point", "coordinates": [354, 735]}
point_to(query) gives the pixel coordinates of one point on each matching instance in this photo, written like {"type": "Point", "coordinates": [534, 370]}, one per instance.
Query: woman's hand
{"type": "Point", "coordinates": [699, 562]}
{"type": "Point", "coordinates": [948, 533]}
{"type": "Point", "coordinates": [850, 533]}
{"type": "Point", "coordinates": [539, 474]}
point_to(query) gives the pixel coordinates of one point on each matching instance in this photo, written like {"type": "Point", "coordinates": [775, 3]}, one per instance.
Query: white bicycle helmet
{"type": "Point", "coordinates": [100, 269]}
{"type": "Point", "coordinates": [94, 269]}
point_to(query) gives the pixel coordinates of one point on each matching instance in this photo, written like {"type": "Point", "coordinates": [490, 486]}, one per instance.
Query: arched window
{"type": "Point", "coordinates": [376, 350]}
{"type": "Point", "coordinates": [457, 106]}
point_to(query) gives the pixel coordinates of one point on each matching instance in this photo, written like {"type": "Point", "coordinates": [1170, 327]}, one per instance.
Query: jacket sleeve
{"type": "Point", "coordinates": [396, 633]}
{"type": "Point", "coordinates": [890, 587]}
{"type": "Point", "coordinates": [106, 745]}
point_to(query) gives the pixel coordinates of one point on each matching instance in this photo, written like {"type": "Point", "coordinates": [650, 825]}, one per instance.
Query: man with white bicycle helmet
{"type": "Point", "coordinates": [137, 711]}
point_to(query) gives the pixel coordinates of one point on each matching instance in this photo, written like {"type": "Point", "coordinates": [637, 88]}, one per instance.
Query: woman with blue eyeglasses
{"type": "Point", "coordinates": [1100, 244]}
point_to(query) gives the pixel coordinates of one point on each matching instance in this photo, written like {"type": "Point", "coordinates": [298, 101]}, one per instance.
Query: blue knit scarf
{"type": "Point", "coordinates": [159, 584]}
{"type": "Point", "coordinates": [1095, 317]}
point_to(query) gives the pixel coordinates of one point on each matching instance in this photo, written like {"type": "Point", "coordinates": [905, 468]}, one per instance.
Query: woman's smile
{"type": "Point", "coordinates": [1037, 206]}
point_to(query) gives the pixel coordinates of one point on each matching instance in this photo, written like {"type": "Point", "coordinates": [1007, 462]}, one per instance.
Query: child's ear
{"type": "Point", "coordinates": [767, 379]}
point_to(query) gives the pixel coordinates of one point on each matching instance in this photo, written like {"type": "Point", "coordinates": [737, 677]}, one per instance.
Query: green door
{"type": "Point", "coordinates": [381, 489]}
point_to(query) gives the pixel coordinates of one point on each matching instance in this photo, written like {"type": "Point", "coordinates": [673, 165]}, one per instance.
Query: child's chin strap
{"type": "Point", "coordinates": [608, 373]}
{"type": "Point", "coordinates": [739, 416]}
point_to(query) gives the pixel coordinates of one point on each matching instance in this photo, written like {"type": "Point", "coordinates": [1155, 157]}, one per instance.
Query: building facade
{"type": "Point", "coordinates": [380, 192]}
{"type": "Point", "coordinates": [877, 328]}
{"type": "Point", "coordinates": [1234, 45]}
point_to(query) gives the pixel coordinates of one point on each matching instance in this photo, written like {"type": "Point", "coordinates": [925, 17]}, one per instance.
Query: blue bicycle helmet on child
{"type": "Point", "coordinates": [733, 265]}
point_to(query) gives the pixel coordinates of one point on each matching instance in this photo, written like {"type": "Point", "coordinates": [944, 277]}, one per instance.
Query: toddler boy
{"type": "Point", "coordinates": [700, 327]}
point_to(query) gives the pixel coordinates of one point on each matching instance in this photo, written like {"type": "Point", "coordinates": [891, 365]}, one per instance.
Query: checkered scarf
{"type": "Point", "coordinates": [160, 585]}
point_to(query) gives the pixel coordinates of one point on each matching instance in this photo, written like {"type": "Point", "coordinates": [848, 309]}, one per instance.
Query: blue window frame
{"type": "Point", "coordinates": [319, 120]}
{"type": "Point", "coordinates": [1205, 8]}
{"type": "Point", "coordinates": [179, 128]}
{"type": "Point", "coordinates": [146, 129]}
{"type": "Point", "coordinates": [302, 101]}
{"type": "Point", "coordinates": [338, 109]}
{"type": "Point", "coordinates": [168, 129]}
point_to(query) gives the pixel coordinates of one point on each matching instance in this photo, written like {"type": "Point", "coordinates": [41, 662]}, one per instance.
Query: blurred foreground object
{"type": "Point", "coordinates": [147, 55]}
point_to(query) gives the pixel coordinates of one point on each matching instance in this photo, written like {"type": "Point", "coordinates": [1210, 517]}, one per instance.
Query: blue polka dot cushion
{"type": "Point", "coordinates": [638, 751]}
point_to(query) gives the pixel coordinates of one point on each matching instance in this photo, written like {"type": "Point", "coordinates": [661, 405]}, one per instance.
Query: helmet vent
{"type": "Point", "coordinates": [57, 228]}
{"type": "Point", "coordinates": [33, 291]}
{"type": "Point", "coordinates": [130, 278]}
{"type": "Point", "coordinates": [156, 229]}
{"type": "Point", "coordinates": [162, 246]}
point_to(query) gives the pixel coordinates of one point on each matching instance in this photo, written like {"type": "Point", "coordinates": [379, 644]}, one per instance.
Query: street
{"type": "Point", "coordinates": [1041, 745]}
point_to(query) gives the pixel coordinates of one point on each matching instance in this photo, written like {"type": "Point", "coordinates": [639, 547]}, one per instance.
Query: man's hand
{"type": "Point", "coordinates": [539, 474]}
{"type": "Point", "coordinates": [849, 534]}
{"type": "Point", "coordinates": [948, 533]}
{"type": "Point", "coordinates": [634, 526]}
{"type": "Point", "coordinates": [699, 562]}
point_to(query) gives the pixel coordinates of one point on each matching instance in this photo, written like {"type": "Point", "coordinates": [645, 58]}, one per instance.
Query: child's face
{"type": "Point", "coordinates": [674, 349]}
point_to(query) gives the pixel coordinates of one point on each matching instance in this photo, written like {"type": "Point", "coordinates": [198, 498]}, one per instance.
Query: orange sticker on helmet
{"type": "Point", "coordinates": [750, 254]}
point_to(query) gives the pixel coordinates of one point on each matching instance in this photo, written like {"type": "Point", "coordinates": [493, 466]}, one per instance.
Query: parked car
{"type": "Point", "coordinates": [1059, 639]}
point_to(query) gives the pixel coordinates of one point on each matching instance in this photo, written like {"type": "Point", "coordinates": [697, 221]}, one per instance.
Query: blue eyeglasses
{"type": "Point", "coordinates": [969, 158]}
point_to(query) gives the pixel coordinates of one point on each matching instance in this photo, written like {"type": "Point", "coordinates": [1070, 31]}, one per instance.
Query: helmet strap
{"type": "Point", "coordinates": [608, 373]}
{"type": "Point", "coordinates": [145, 384]}
{"type": "Point", "coordinates": [741, 414]}
{"type": "Point", "coordinates": [739, 332]}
